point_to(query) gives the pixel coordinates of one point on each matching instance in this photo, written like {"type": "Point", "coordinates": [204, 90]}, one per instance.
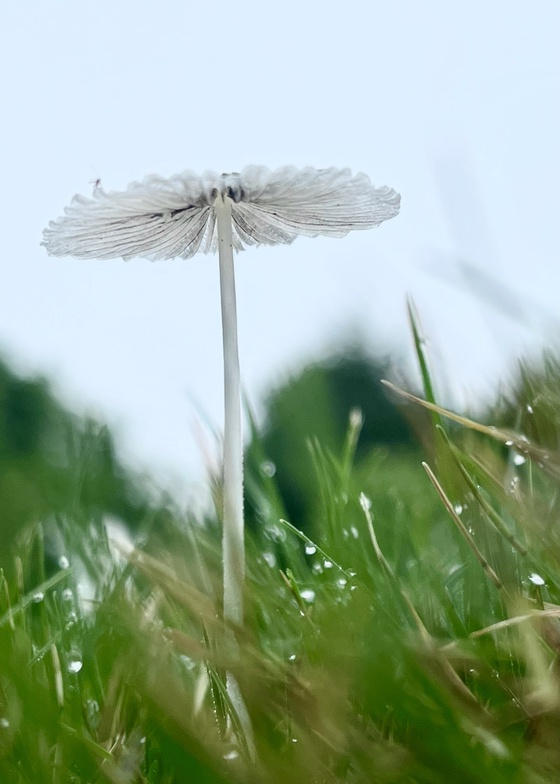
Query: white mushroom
{"type": "Point", "coordinates": [161, 219]}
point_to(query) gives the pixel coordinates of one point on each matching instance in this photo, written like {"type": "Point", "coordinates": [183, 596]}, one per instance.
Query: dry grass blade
{"type": "Point", "coordinates": [549, 461]}
{"type": "Point", "coordinates": [490, 573]}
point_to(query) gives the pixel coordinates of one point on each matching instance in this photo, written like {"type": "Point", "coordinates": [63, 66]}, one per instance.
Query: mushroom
{"type": "Point", "coordinates": [165, 218]}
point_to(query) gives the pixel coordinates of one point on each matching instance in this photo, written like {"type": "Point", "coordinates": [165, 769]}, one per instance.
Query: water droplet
{"type": "Point", "coordinates": [275, 533]}
{"type": "Point", "coordinates": [268, 468]}
{"type": "Point", "coordinates": [341, 582]}
{"type": "Point", "coordinates": [292, 657]}
{"type": "Point", "coordinates": [354, 531]}
{"type": "Point", "coordinates": [307, 595]}
{"type": "Point", "coordinates": [4, 723]}
{"type": "Point", "coordinates": [75, 663]}
{"type": "Point", "coordinates": [509, 443]}
{"type": "Point", "coordinates": [38, 597]}
{"type": "Point", "coordinates": [529, 409]}
{"type": "Point", "coordinates": [294, 740]}
{"type": "Point", "coordinates": [317, 568]}
{"type": "Point", "coordinates": [518, 459]}
{"type": "Point", "coordinates": [71, 619]}
{"type": "Point", "coordinates": [231, 755]}
{"type": "Point", "coordinates": [67, 595]}
{"type": "Point", "coordinates": [458, 508]}
{"type": "Point", "coordinates": [327, 564]}
{"type": "Point", "coordinates": [513, 484]}
{"type": "Point", "coordinates": [536, 579]}
{"type": "Point", "coordinates": [63, 562]}
{"type": "Point", "coordinates": [187, 661]}
{"type": "Point", "coordinates": [310, 549]}
{"type": "Point", "coordinates": [270, 558]}
{"type": "Point", "coordinates": [92, 712]}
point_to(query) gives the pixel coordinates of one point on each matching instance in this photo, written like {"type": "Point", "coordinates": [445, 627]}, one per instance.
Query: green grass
{"type": "Point", "coordinates": [413, 638]}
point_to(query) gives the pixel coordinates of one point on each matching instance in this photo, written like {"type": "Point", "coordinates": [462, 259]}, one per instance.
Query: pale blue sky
{"type": "Point", "coordinates": [457, 107]}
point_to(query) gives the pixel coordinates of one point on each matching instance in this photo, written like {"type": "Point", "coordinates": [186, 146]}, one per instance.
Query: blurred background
{"type": "Point", "coordinates": [456, 107]}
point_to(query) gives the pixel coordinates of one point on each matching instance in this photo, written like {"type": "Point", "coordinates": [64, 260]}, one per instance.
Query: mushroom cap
{"type": "Point", "coordinates": [161, 218]}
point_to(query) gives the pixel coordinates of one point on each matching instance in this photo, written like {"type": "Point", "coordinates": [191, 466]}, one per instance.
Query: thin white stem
{"type": "Point", "coordinates": [233, 546]}
{"type": "Point", "coordinates": [233, 549]}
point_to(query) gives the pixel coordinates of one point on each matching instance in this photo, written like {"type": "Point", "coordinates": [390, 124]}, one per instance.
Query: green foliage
{"type": "Point", "coordinates": [54, 464]}
{"type": "Point", "coordinates": [313, 406]}
{"type": "Point", "coordinates": [409, 634]}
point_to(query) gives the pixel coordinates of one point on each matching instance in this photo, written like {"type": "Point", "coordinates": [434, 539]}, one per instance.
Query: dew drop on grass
{"type": "Point", "coordinates": [327, 564]}
{"type": "Point", "coordinates": [310, 549]}
{"type": "Point", "coordinates": [63, 562]}
{"type": "Point", "coordinates": [307, 595]}
{"type": "Point", "coordinates": [317, 568]}
{"type": "Point", "coordinates": [275, 533]}
{"type": "Point", "coordinates": [536, 579]}
{"type": "Point", "coordinates": [458, 508]}
{"type": "Point", "coordinates": [4, 723]}
{"type": "Point", "coordinates": [188, 663]}
{"type": "Point", "coordinates": [71, 619]}
{"type": "Point", "coordinates": [92, 712]}
{"type": "Point", "coordinates": [231, 755]}
{"type": "Point", "coordinates": [292, 657]}
{"type": "Point", "coordinates": [341, 582]}
{"type": "Point", "coordinates": [268, 468]}
{"type": "Point", "coordinates": [38, 597]}
{"type": "Point", "coordinates": [67, 595]}
{"type": "Point", "coordinates": [75, 663]}
{"type": "Point", "coordinates": [529, 409]}
{"type": "Point", "coordinates": [513, 484]}
{"type": "Point", "coordinates": [518, 459]}
{"type": "Point", "coordinates": [270, 558]}
{"type": "Point", "coordinates": [354, 531]}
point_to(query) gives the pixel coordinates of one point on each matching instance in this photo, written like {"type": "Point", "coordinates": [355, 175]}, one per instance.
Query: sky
{"type": "Point", "coordinates": [456, 106]}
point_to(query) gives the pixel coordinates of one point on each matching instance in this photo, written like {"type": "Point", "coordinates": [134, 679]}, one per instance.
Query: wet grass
{"type": "Point", "coordinates": [413, 636]}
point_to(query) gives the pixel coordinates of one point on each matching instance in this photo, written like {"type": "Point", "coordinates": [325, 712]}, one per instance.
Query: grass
{"type": "Point", "coordinates": [413, 636]}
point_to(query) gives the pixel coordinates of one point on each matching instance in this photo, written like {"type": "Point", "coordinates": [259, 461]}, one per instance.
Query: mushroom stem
{"type": "Point", "coordinates": [233, 547]}
{"type": "Point", "coordinates": [233, 550]}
